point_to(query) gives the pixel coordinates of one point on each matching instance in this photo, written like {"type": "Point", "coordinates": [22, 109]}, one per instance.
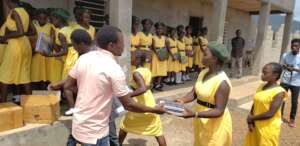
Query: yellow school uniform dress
{"type": "Point", "coordinates": [173, 66]}
{"type": "Point", "coordinates": [134, 42]}
{"type": "Point", "coordinates": [181, 50]}
{"type": "Point", "coordinates": [15, 66]}
{"type": "Point", "coordinates": [91, 30]}
{"type": "Point", "coordinates": [197, 56]}
{"type": "Point", "coordinates": [54, 65]}
{"type": "Point", "coordinates": [2, 46]}
{"type": "Point", "coordinates": [72, 54]}
{"type": "Point", "coordinates": [143, 123]}
{"type": "Point", "coordinates": [211, 131]}
{"type": "Point", "coordinates": [145, 44]}
{"type": "Point", "coordinates": [200, 53]}
{"type": "Point", "coordinates": [159, 68]}
{"type": "Point", "coordinates": [189, 47]}
{"type": "Point", "coordinates": [266, 132]}
{"type": "Point", "coordinates": [38, 62]}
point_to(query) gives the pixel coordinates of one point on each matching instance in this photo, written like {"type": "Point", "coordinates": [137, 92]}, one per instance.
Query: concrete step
{"type": "Point", "coordinates": [243, 93]}
{"type": "Point", "coordinates": [246, 106]}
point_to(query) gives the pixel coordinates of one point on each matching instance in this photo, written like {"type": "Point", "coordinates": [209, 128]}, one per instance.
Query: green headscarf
{"type": "Point", "coordinates": [220, 51]}
{"type": "Point", "coordinates": [61, 14]}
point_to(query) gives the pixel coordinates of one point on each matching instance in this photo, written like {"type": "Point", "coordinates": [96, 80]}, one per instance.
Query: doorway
{"type": "Point", "coordinates": [196, 23]}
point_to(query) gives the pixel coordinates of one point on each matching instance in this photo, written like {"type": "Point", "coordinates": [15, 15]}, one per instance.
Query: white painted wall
{"type": "Point", "coordinates": [176, 12]}
{"type": "Point", "coordinates": [65, 4]}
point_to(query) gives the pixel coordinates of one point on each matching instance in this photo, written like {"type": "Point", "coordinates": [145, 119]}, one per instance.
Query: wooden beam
{"type": "Point", "coordinates": [272, 12]}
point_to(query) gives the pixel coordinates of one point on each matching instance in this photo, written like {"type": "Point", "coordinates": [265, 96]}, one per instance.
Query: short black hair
{"type": "Point", "coordinates": [145, 20]}
{"type": "Point", "coordinates": [107, 34]}
{"type": "Point", "coordinates": [81, 36]}
{"type": "Point", "coordinates": [158, 24]}
{"type": "Point", "coordinates": [296, 41]}
{"type": "Point", "coordinates": [170, 29]}
{"type": "Point", "coordinates": [276, 68]}
{"type": "Point", "coordinates": [179, 27]}
{"type": "Point", "coordinates": [188, 27]}
{"type": "Point", "coordinates": [238, 30]}
{"type": "Point", "coordinates": [134, 19]}
{"type": "Point", "coordinates": [79, 11]}
{"type": "Point", "coordinates": [42, 11]}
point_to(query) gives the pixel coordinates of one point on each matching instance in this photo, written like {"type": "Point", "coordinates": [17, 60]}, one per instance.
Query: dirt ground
{"type": "Point", "coordinates": [179, 132]}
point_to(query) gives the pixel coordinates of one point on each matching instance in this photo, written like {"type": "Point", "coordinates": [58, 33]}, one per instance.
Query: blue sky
{"type": "Point", "coordinates": [297, 10]}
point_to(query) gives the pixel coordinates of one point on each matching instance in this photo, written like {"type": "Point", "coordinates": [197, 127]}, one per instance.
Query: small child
{"type": "Point", "coordinates": [142, 123]}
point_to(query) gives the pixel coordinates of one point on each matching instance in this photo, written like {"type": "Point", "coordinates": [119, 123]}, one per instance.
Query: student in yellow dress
{"type": "Point", "coordinates": [173, 61]}
{"type": "Point", "coordinates": [38, 62]}
{"type": "Point", "coordinates": [54, 65]}
{"type": "Point", "coordinates": [159, 64]}
{"type": "Point", "coordinates": [203, 42]}
{"type": "Point", "coordinates": [2, 44]}
{"type": "Point", "coordinates": [196, 46]}
{"type": "Point", "coordinates": [147, 124]}
{"type": "Point", "coordinates": [264, 120]}
{"type": "Point", "coordinates": [15, 66]}
{"type": "Point", "coordinates": [188, 40]}
{"type": "Point", "coordinates": [212, 120]}
{"type": "Point", "coordinates": [63, 39]}
{"type": "Point", "coordinates": [2, 32]}
{"type": "Point", "coordinates": [146, 40]}
{"type": "Point", "coordinates": [182, 53]}
{"type": "Point", "coordinates": [82, 42]}
{"type": "Point", "coordinates": [83, 19]}
{"type": "Point", "coordinates": [134, 41]}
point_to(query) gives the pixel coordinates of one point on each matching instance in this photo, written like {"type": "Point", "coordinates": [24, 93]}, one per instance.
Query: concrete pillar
{"type": "Point", "coordinates": [120, 13]}
{"type": "Point", "coordinates": [287, 32]}
{"type": "Point", "coordinates": [218, 20]}
{"type": "Point", "coordinates": [263, 23]}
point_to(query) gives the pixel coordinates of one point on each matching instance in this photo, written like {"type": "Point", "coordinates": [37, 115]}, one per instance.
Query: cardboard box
{"type": "Point", "coordinates": [11, 116]}
{"type": "Point", "coordinates": [42, 107]}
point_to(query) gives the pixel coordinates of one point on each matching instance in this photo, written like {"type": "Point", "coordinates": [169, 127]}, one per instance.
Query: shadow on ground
{"type": "Point", "coordinates": [135, 142]}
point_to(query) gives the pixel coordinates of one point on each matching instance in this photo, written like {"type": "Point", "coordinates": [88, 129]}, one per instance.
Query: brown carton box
{"type": "Point", "coordinates": [42, 107]}
{"type": "Point", "coordinates": [11, 116]}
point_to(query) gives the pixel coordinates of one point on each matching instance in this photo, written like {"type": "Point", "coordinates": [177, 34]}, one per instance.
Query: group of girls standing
{"type": "Point", "coordinates": [171, 53]}
{"type": "Point", "coordinates": [20, 65]}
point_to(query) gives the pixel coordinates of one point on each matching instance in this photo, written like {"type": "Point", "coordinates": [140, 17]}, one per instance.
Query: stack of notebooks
{"type": "Point", "coordinates": [172, 107]}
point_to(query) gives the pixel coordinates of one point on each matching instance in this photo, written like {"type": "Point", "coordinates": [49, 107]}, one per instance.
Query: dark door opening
{"type": "Point", "coordinates": [196, 23]}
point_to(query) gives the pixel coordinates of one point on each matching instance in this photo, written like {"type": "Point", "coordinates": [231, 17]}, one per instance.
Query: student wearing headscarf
{"type": "Point", "coordinates": [212, 120]}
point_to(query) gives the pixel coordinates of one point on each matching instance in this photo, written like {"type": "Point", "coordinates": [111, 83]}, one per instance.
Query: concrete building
{"type": "Point", "coordinates": [222, 17]}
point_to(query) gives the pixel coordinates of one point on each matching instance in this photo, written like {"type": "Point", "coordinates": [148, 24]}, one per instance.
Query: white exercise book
{"type": "Point", "coordinates": [43, 44]}
{"type": "Point", "coordinates": [172, 107]}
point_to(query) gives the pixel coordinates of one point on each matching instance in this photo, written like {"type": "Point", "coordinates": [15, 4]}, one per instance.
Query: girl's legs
{"type": "Point", "coordinates": [161, 140]}
{"type": "Point", "coordinates": [122, 136]}
{"type": "Point", "coordinates": [3, 92]}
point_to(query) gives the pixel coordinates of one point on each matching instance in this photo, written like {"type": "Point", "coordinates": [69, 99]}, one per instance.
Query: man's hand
{"type": "Point", "coordinates": [287, 67]}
